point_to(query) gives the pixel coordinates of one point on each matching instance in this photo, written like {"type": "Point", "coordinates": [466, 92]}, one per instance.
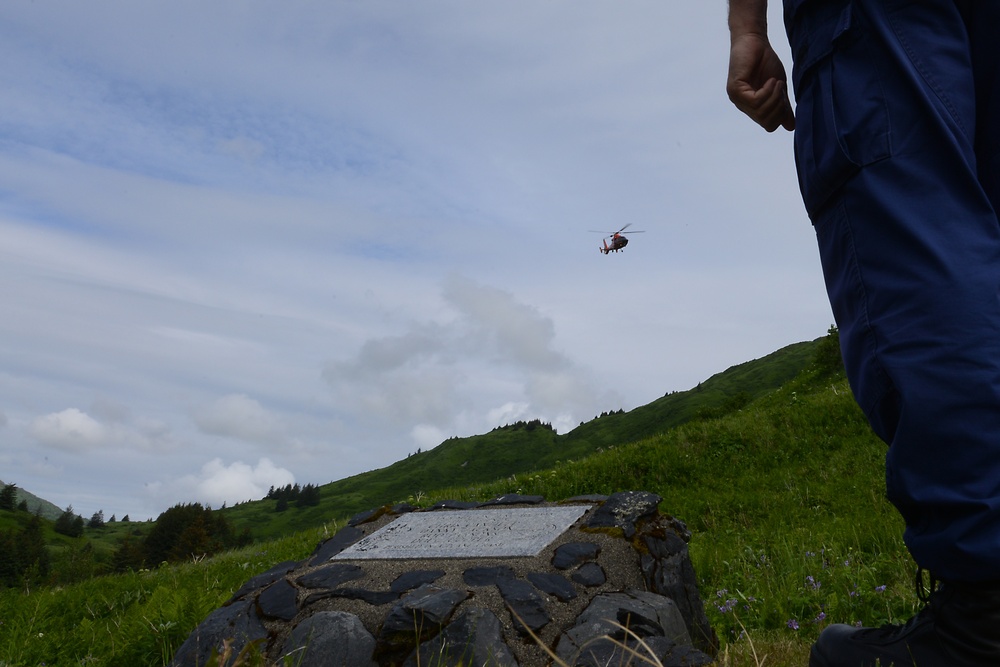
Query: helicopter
{"type": "Point", "coordinates": [618, 239]}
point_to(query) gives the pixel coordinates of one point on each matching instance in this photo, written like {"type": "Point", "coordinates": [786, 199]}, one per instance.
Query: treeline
{"type": "Point", "coordinates": [525, 425]}
{"type": "Point", "coordinates": [301, 496]}
{"type": "Point", "coordinates": [183, 532]}
{"type": "Point", "coordinates": [24, 558]}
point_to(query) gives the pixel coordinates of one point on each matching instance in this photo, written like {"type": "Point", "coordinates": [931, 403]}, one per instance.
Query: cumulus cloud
{"type": "Point", "coordinates": [72, 430]}
{"type": "Point", "coordinates": [111, 426]}
{"type": "Point", "coordinates": [217, 483]}
{"type": "Point", "coordinates": [490, 349]}
{"type": "Point", "coordinates": [239, 416]}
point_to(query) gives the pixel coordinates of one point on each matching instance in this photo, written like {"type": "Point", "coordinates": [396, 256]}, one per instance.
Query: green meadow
{"type": "Point", "coordinates": [770, 464]}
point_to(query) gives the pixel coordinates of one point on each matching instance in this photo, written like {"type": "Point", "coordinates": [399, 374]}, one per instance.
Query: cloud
{"type": "Point", "coordinates": [111, 427]}
{"type": "Point", "coordinates": [71, 430]}
{"type": "Point", "coordinates": [486, 349]}
{"type": "Point", "coordinates": [217, 483]}
{"type": "Point", "coordinates": [239, 416]}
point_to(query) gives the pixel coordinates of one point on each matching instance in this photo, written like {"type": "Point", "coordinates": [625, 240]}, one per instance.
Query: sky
{"type": "Point", "coordinates": [255, 243]}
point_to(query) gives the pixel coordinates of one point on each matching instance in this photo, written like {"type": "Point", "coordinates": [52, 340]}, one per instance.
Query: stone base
{"type": "Point", "coordinates": [621, 565]}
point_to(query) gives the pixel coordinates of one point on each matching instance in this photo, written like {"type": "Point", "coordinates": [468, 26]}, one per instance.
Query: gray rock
{"type": "Point", "coordinates": [646, 615]}
{"type": "Point", "coordinates": [374, 598]}
{"type": "Point", "coordinates": [330, 639]}
{"type": "Point", "coordinates": [278, 601]}
{"type": "Point", "coordinates": [487, 576]}
{"type": "Point", "coordinates": [515, 499]}
{"type": "Point", "coordinates": [668, 571]}
{"type": "Point", "coordinates": [416, 618]}
{"type": "Point", "coordinates": [590, 575]}
{"type": "Point", "coordinates": [410, 580]}
{"type": "Point", "coordinates": [473, 638]}
{"type": "Point", "coordinates": [622, 510]}
{"type": "Point", "coordinates": [264, 579]}
{"type": "Point", "coordinates": [571, 554]}
{"type": "Point", "coordinates": [527, 607]}
{"type": "Point", "coordinates": [342, 539]}
{"type": "Point", "coordinates": [553, 584]}
{"type": "Point", "coordinates": [237, 622]}
{"type": "Point", "coordinates": [331, 576]}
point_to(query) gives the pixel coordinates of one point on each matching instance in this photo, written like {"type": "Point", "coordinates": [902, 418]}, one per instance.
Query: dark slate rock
{"type": "Point", "coordinates": [343, 538]}
{"type": "Point", "coordinates": [264, 579]}
{"type": "Point", "coordinates": [667, 571]}
{"type": "Point", "coordinates": [374, 598]}
{"type": "Point", "coordinates": [622, 510]}
{"type": "Point", "coordinates": [418, 616]}
{"type": "Point", "coordinates": [455, 505]}
{"type": "Point", "coordinates": [605, 651]}
{"type": "Point", "coordinates": [527, 607]}
{"type": "Point", "coordinates": [487, 576]}
{"type": "Point", "coordinates": [366, 516]}
{"type": "Point", "coordinates": [330, 639]}
{"type": "Point", "coordinates": [590, 575]}
{"type": "Point", "coordinates": [588, 498]}
{"type": "Point", "coordinates": [571, 554]}
{"type": "Point", "coordinates": [410, 580]}
{"type": "Point", "coordinates": [473, 638]}
{"type": "Point", "coordinates": [555, 585]}
{"type": "Point", "coordinates": [279, 600]}
{"type": "Point", "coordinates": [238, 622]}
{"type": "Point", "coordinates": [331, 576]}
{"type": "Point", "coordinates": [645, 614]}
{"type": "Point", "coordinates": [404, 508]}
{"type": "Point", "coordinates": [515, 499]}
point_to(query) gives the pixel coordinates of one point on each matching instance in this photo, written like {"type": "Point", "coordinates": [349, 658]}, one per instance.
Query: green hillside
{"type": "Point", "coordinates": [36, 505]}
{"type": "Point", "coordinates": [527, 446]}
{"type": "Point", "coordinates": [784, 496]}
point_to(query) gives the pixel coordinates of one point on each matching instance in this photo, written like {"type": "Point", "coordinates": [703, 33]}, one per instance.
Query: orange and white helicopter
{"type": "Point", "coordinates": [618, 239]}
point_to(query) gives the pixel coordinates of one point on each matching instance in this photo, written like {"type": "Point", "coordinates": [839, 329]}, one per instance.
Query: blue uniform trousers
{"type": "Point", "coordinates": [897, 149]}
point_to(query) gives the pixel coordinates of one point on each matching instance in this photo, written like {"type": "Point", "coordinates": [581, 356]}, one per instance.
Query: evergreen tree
{"type": "Point", "coordinates": [97, 520]}
{"type": "Point", "coordinates": [69, 523]}
{"type": "Point", "coordinates": [8, 497]}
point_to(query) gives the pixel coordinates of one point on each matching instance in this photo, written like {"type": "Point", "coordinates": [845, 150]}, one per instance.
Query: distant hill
{"type": "Point", "coordinates": [527, 446]}
{"type": "Point", "coordinates": [35, 504]}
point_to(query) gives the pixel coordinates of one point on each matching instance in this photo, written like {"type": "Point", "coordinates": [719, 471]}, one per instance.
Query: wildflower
{"type": "Point", "coordinates": [820, 618]}
{"type": "Point", "coordinates": [813, 583]}
{"type": "Point", "coordinates": [792, 624]}
{"type": "Point", "coordinates": [880, 589]}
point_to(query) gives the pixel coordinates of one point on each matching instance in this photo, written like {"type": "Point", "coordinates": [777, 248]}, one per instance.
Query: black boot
{"type": "Point", "coordinates": [959, 626]}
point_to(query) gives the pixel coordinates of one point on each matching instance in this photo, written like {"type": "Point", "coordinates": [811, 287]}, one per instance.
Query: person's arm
{"type": "Point", "coordinates": [757, 83]}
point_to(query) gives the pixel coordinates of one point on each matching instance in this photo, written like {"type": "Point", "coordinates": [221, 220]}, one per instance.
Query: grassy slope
{"type": "Point", "coordinates": [36, 504]}
{"type": "Point", "coordinates": [506, 451]}
{"type": "Point", "coordinates": [784, 497]}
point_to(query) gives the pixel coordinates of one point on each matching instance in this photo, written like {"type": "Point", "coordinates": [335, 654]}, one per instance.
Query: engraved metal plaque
{"type": "Point", "coordinates": [485, 533]}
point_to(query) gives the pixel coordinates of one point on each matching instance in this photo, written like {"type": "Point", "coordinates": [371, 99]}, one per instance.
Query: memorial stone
{"type": "Point", "coordinates": [492, 582]}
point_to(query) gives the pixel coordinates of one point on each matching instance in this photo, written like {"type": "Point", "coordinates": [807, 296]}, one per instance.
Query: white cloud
{"type": "Point", "coordinates": [485, 348]}
{"type": "Point", "coordinates": [74, 430]}
{"type": "Point", "coordinates": [239, 416]}
{"type": "Point", "coordinates": [218, 483]}
{"type": "Point", "coordinates": [71, 430]}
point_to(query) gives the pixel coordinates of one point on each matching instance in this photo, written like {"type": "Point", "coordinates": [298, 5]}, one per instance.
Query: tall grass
{"type": "Point", "coordinates": [785, 499]}
{"type": "Point", "coordinates": [134, 619]}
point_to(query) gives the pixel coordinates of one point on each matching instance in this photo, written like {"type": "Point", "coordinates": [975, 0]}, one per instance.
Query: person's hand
{"type": "Point", "coordinates": [757, 83]}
